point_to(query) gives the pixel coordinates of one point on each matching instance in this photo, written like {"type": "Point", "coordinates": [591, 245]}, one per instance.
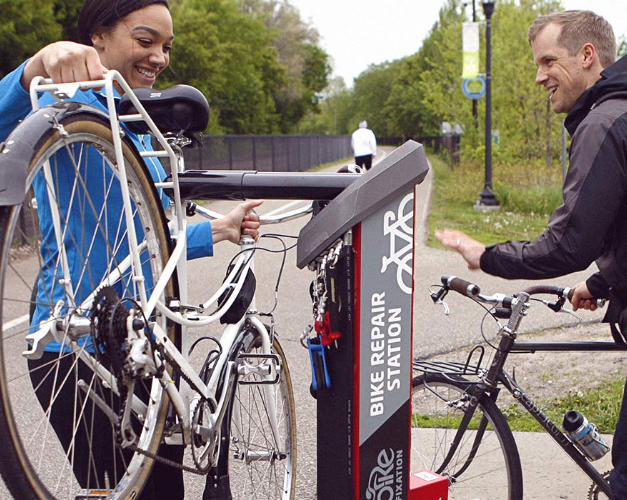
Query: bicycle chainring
{"type": "Point", "coordinates": [595, 493]}
{"type": "Point", "coordinates": [203, 448]}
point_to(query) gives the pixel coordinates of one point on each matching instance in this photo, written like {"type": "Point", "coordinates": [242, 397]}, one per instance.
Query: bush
{"type": "Point", "coordinates": [527, 196]}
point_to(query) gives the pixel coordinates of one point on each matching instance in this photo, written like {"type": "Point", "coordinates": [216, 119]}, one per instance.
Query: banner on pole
{"type": "Point", "coordinates": [470, 44]}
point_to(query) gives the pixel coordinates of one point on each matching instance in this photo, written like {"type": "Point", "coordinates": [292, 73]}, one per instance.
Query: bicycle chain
{"type": "Point", "coordinates": [167, 461]}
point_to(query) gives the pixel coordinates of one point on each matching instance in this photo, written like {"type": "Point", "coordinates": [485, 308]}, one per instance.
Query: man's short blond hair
{"type": "Point", "coordinates": [578, 28]}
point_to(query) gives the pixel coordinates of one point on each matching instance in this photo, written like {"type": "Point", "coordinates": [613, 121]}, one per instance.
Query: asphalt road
{"type": "Point", "coordinates": [433, 331]}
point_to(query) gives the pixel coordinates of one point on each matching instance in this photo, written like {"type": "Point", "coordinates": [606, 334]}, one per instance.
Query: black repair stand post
{"type": "Point", "coordinates": [363, 424]}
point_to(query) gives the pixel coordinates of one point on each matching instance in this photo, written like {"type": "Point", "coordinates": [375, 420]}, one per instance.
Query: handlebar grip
{"type": "Point", "coordinates": [461, 286]}
{"type": "Point", "coordinates": [598, 302]}
{"type": "Point", "coordinates": [547, 289]}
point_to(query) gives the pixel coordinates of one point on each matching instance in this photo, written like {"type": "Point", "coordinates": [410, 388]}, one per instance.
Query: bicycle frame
{"type": "Point", "coordinates": [175, 268]}
{"type": "Point", "coordinates": [494, 376]}
{"type": "Point", "coordinates": [508, 345]}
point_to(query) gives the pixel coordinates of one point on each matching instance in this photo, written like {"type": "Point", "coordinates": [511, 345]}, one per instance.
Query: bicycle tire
{"type": "Point", "coordinates": [493, 472]}
{"type": "Point", "coordinates": [40, 460]}
{"type": "Point", "coordinates": [260, 464]}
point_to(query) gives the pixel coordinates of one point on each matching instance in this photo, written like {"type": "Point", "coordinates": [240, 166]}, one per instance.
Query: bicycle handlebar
{"type": "Point", "coordinates": [549, 290]}
{"type": "Point", "coordinates": [461, 286]}
{"type": "Point", "coordinates": [502, 303]}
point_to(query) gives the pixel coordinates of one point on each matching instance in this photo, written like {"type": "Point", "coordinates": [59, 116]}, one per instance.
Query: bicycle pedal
{"type": "Point", "coordinates": [259, 369]}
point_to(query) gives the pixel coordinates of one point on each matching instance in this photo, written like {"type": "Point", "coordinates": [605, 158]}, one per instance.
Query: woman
{"type": "Point", "coordinates": [133, 37]}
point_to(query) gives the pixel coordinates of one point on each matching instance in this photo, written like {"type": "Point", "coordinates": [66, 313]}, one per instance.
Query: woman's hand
{"type": "Point", "coordinates": [582, 298]}
{"type": "Point", "coordinates": [471, 250]}
{"type": "Point", "coordinates": [237, 222]}
{"type": "Point", "coordinates": [64, 62]}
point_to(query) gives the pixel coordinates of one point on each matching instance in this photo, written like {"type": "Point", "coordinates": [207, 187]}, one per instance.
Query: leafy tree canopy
{"type": "Point", "coordinates": [257, 62]}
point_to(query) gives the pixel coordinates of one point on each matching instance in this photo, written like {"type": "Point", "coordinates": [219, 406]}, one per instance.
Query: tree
{"type": "Point", "coordinates": [334, 115]}
{"type": "Point", "coordinates": [427, 90]}
{"type": "Point", "coordinates": [27, 25]}
{"type": "Point", "coordinates": [229, 56]}
{"type": "Point", "coordinates": [522, 113]}
{"type": "Point", "coordinates": [66, 13]}
{"type": "Point", "coordinates": [622, 46]}
{"type": "Point", "coordinates": [306, 64]}
{"type": "Point", "coordinates": [371, 90]}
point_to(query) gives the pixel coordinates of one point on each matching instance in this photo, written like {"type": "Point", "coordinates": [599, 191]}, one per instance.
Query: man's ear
{"type": "Point", "coordinates": [589, 55]}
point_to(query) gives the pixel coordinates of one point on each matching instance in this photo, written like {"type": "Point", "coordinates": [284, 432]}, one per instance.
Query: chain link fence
{"type": "Point", "coordinates": [267, 153]}
{"type": "Point", "coordinates": [448, 145]}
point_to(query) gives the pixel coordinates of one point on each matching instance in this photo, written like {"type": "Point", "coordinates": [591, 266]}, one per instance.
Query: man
{"type": "Point", "coordinates": [575, 52]}
{"type": "Point", "coordinates": [364, 145]}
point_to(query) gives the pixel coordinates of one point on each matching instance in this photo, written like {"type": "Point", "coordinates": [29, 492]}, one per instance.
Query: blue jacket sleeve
{"type": "Point", "coordinates": [199, 241]}
{"type": "Point", "coordinates": [14, 102]}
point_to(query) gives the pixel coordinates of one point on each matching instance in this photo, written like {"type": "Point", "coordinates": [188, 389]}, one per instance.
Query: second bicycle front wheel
{"type": "Point", "coordinates": [262, 456]}
{"type": "Point", "coordinates": [485, 465]}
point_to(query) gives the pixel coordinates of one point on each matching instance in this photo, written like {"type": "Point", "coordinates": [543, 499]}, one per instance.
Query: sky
{"type": "Point", "coordinates": [357, 33]}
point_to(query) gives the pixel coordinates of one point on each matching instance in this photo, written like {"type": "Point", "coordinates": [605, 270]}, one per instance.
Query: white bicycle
{"type": "Point", "coordinates": [95, 380]}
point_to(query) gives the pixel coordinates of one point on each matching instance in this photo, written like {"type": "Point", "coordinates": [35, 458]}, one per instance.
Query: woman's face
{"type": "Point", "coordinates": [138, 46]}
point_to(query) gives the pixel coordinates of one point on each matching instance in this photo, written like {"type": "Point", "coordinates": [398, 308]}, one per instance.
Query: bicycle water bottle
{"type": "Point", "coordinates": [585, 435]}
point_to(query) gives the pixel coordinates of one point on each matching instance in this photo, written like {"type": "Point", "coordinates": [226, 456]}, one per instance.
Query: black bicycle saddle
{"type": "Point", "coordinates": [180, 109]}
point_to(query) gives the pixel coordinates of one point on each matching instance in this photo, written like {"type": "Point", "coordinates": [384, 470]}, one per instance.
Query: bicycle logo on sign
{"type": "Point", "coordinates": [400, 225]}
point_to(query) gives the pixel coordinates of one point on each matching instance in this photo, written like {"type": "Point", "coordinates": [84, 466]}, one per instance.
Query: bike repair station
{"type": "Point", "coordinates": [361, 247]}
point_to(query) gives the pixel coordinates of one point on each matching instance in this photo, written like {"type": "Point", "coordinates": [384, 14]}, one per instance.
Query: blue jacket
{"type": "Point", "coordinates": [15, 106]}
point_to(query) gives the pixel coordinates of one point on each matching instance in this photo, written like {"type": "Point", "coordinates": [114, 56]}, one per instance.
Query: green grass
{"type": "Point", "coordinates": [527, 197]}
{"type": "Point", "coordinates": [600, 406]}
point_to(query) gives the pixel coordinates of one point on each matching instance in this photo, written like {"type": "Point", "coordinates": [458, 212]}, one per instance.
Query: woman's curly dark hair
{"type": "Point", "coordinates": [96, 14]}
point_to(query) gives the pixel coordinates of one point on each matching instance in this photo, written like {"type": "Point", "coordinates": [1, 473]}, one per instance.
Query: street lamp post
{"type": "Point", "coordinates": [487, 199]}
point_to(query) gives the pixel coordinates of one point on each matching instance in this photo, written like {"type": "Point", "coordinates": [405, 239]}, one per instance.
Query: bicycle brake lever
{"type": "Point", "coordinates": [440, 302]}
{"type": "Point", "coordinates": [437, 299]}
{"type": "Point", "coordinates": [572, 313]}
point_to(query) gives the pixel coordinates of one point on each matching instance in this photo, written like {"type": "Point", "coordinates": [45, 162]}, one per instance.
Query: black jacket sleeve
{"type": "Point", "coordinates": [593, 192]}
{"type": "Point", "coordinates": [598, 286]}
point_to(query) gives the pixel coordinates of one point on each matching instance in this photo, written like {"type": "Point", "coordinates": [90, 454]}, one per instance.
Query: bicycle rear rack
{"type": "Point", "coordinates": [454, 367]}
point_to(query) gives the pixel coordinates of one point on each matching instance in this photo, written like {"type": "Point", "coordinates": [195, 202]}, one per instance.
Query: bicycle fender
{"type": "Point", "coordinates": [17, 151]}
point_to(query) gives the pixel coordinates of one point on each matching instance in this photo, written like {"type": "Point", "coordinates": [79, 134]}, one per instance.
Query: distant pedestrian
{"type": "Point", "coordinates": [364, 145]}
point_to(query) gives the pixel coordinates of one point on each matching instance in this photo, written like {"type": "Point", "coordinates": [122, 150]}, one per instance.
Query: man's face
{"type": "Point", "coordinates": [558, 72]}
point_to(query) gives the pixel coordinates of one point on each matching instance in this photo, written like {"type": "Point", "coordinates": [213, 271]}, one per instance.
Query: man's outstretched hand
{"type": "Point", "coordinates": [471, 250]}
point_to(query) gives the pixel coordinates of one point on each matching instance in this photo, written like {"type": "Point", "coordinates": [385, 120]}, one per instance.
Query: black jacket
{"type": "Point", "coordinates": [591, 225]}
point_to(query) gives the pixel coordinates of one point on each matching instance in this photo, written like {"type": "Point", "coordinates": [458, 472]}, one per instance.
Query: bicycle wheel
{"type": "Point", "coordinates": [57, 414]}
{"type": "Point", "coordinates": [262, 464]}
{"type": "Point", "coordinates": [485, 468]}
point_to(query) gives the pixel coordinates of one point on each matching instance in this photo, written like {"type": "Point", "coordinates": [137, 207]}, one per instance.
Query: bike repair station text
{"type": "Point", "coordinates": [385, 352]}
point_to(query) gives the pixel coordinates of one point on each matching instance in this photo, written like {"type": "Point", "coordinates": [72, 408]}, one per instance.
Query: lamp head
{"type": "Point", "coordinates": [488, 8]}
